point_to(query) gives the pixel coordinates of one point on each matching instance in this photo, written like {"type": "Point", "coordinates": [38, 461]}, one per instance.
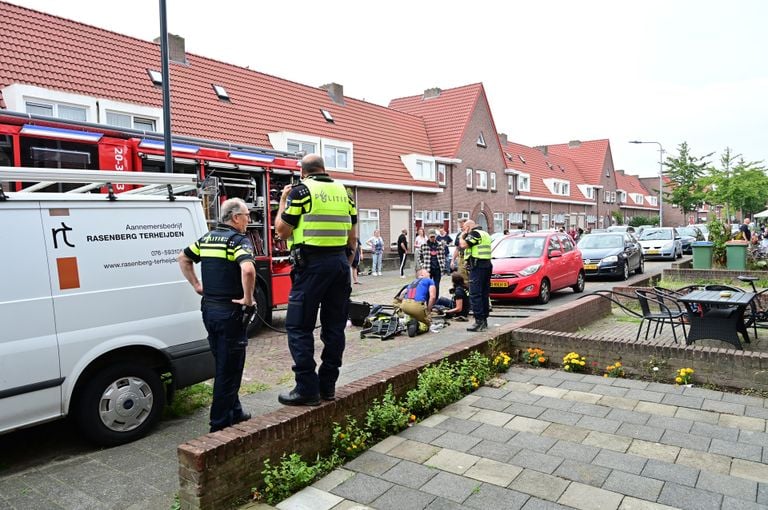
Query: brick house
{"type": "Point", "coordinates": [633, 198]}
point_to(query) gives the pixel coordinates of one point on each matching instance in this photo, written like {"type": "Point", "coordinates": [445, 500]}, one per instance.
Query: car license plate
{"type": "Point", "coordinates": [500, 284]}
{"type": "Point", "coordinates": [651, 252]}
{"type": "Point", "coordinates": [590, 267]}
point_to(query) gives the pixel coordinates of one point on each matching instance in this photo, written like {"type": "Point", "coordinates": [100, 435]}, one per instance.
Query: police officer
{"type": "Point", "coordinates": [317, 218]}
{"type": "Point", "coordinates": [229, 274]}
{"type": "Point", "coordinates": [477, 243]}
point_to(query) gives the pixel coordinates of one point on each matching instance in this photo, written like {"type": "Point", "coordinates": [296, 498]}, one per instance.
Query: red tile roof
{"type": "Point", "coordinates": [51, 52]}
{"type": "Point", "coordinates": [589, 156]}
{"type": "Point", "coordinates": [632, 184]}
{"type": "Point", "coordinates": [446, 115]}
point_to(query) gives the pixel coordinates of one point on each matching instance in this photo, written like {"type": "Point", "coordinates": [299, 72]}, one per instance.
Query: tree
{"type": "Point", "coordinates": [737, 184]}
{"type": "Point", "coordinates": [686, 173]}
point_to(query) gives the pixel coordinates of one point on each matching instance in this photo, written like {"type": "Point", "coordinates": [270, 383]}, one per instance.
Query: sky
{"type": "Point", "coordinates": [553, 70]}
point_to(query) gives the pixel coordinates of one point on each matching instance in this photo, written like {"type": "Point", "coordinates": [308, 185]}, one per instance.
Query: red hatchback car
{"type": "Point", "coordinates": [531, 266]}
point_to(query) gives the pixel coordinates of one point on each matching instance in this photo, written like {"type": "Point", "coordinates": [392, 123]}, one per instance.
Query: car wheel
{"type": "Point", "coordinates": [120, 403]}
{"type": "Point", "coordinates": [680, 253]}
{"type": "Point", "coordinates": [580, 282]}
{"type": "Point", "coordinates": [625, 270]}
{"type": "Point", "coordinates": [641, 266]}
{"type": "Point", "coordinates": [263, 313]}
{"type": "Point", "coordinates": [544, 292]}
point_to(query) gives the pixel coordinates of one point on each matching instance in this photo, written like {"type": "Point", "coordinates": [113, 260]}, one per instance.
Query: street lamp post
{"type": "Point", "coordinates": [661, 180]}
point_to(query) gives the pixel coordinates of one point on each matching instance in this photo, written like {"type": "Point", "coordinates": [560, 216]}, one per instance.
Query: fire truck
{"type": "Point", "coordinates": [223, 170]}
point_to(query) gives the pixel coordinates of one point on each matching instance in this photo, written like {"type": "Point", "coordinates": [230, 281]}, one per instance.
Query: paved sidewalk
{"type": "Point", "coordinates": [550, 439]}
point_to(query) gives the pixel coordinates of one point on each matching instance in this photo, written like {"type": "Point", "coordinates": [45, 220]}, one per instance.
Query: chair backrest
{"type": "Point", "coordinates": [723, 287]}
{"type": "Point", "coordinates": [615, 298]}
{"type": "Point", "coordinates": [648, 299]}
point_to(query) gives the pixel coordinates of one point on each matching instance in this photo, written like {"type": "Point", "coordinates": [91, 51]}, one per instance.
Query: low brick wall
{"type": "Point", "coordinates": [724, 276]}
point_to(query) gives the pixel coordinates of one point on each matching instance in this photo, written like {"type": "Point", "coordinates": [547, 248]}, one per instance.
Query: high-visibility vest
{"type": "Point", "coordinates": [482, 250]}
{"type": "Point", "coordinates": [328, 221]}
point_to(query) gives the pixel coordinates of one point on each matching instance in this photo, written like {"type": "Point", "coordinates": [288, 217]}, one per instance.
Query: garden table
{"type": "Point", "coordinates": [717, 315]}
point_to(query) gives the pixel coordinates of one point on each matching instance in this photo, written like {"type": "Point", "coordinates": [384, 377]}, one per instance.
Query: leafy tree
{"type": "Point", "coordinates": [737, 184]}
{"type": "Point", "coordinates": [687, 174]}
{"type": "Point", "coordinates": [636, 221]}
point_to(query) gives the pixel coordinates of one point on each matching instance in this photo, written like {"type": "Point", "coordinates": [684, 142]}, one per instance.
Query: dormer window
{"type": "Point", "coordinates": [481, 141]}
{"type": "Point", "coordinates": [524, 182]}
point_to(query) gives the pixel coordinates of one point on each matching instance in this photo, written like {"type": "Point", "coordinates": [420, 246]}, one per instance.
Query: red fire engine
{"type": "Point", "coordinates": [256, 175]}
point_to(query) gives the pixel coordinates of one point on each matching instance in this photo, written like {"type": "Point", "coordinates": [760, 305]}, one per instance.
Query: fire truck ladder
{"type": "Point", "coordinates": [148, 183]}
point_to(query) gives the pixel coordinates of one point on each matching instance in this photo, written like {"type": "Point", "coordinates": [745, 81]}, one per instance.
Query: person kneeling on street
{"type": "Point", "coordinates": [418, 299]}
{"type": "Point", "coordinates": [456, 307]}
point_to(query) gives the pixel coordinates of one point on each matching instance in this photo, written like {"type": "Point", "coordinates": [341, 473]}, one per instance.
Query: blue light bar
{"type": "Point", "coordinates": [251, 156]}
{"type": "Point", "coordinates": [67, 134]}
{"type": "Point", "coordinates": [147, 143]}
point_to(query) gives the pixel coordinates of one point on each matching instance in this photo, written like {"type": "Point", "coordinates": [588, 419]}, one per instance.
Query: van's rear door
{"type": "Point", "coordinates": [30, 378]}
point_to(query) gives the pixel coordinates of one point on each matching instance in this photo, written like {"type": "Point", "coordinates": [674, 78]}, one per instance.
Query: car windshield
{"type": "Point", "coordinates": [656, 233]}
{"type": "Point", "coordinates": [687, 231]}
{"type": "Point", "coordinates": [519, 248]}
{"type": "Point", "coordinates": [601, 242]}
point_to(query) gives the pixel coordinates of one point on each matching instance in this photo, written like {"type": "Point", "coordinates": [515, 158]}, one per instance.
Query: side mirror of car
{"type": "Point", "coordinates": [555, 253]}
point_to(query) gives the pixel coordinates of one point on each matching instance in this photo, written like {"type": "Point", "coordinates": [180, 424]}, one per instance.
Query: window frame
{"type": "Point", "coordinates": [55, 106]}
{"type": "Point", "coordinates": [470, 178]}
{"type": "Point", "coordinates": [420, 175]}
{"type": "Point", "coordinates": [492, 176]}
{"type": "Point", "coordinates": [131, 118]}
{"type": "Point", "coordinates": [481, 180]}
{"type": "Point", "coordinates": [337, 148]}
{"type": "Point", "coordinates": [301, 144]}
{"type": "Point", "coordinates": [524, 179]}
{"type": "Point", "coordinates": [498, 222]}
{"type": "Point", "coordinates": [442, 174]}
{"type": "Point", "coordinates": [364, 217]}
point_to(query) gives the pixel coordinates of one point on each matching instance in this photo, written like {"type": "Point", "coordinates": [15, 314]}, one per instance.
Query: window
{"type": "Point", "coordinates": [367, 221]}
{"type": "Point", "coordinates": [336, 157]}
{"type": "Point", "coordinates": [462, 215]}
{"type": "Point", "coordinates": [327, 115]}
{"type": "Point", "coordinates": [510, 183]}
{"type": "Point", "coordinates": [590, 192]}
{"type": "Point", "coordinates": [524, 183]}
{"type": "Point", "coordinates": [567, 243]}
{"type": "Point", "coordinates": [622, 197]}
{"type": "Point", "coordinates": [126, 120]}
{"type": "Point", "coordinates": [441, 174]}
{"type": "Point", "coordinates": [221, 92]}
{"type": "Point", "coordinates": [61, 111]}
{"type": "Point", "coordinates": [498, 222]}
{"type": "Point", "coordinates": [425, 171]}
{"type": "Point", "coordinates": [144, 124]}
{"type": "Point", "coordinates": [482, 179]}
{"type": "Point", "coordinates": [654, 200]}
{"type": "Point", "coordinates": [493, 181]}
{"type": "Point", "coordinates": [561, 188]}
{"type": "Point", "coordinates": [515, 218]}
{"type": "Point", "coordinates": [481, 141]}
{"type": "Point", "coordinates": [469, 178]}
{"type": "Point", "coordinates": [155, 76]}
{"type": "Point", "coordinates": [299, 146]}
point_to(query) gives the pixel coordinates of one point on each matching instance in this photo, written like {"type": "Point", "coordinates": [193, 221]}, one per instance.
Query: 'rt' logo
{"type": "Point", "coordinates": [63, 231]}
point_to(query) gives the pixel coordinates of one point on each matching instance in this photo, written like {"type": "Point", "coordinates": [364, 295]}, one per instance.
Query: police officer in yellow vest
{"type": "Point", "coordinates": [317, 217]}
{"type": "Point", "coordinates": [477, 244]}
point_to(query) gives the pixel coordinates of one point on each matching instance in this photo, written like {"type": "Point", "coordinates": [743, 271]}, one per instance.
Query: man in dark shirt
{"type": "Point", "coordinates": [402, 250]}
{"type": "Point", "coordinates": [744, 229]}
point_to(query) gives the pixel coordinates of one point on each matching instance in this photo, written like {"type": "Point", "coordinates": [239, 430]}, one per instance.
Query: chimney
{"type": "Point", "coordinates": [503, 139]}
{"type": "Point", "coordinates": [335, 92]}
{"type": "Point", "coordinates": [433, 92]}
{"type": "Point", "coordinates": [574, 143]}
{"type": "Point", "coordinates": [176, 49]}
{"type": "Point", "coordinates": [544, 149]}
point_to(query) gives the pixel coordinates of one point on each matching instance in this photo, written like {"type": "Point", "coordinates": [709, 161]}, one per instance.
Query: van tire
{"type": "Point", "coordinates": [263, 312]}
{"type": "Point", "coordinates": [128, 386]}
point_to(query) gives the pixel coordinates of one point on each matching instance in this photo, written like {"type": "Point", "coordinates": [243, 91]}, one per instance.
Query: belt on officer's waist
{"type": "Point", "coordinates": [224, 305]}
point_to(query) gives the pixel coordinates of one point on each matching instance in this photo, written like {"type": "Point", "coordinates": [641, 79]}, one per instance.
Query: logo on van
{"type": "Point", "coordinates": [63, 231]}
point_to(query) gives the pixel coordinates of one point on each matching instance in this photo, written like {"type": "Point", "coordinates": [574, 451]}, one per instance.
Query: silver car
{"type": "Point", "coordinates": [661, 242]}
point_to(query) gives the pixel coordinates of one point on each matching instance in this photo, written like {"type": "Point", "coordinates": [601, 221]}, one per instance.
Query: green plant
{"type": "Point", "coordinates": [574, 362]}
{"type": "Point", "coordinates": [535, 356]}
{"type": "Point", "coordinates": [719, 234]}
{"type": "Point", "coordinates": [473, 371]}
{"type": "Point", "coordinates": [437, 387]}
{"type": "Point", "coordinates": [253, 387]}
{"type": "Point", "coordinates": [618, 217]}
{"type": "Point", "coordinates": [684, 376]}
{"type": "Point", "coordinates": [176, 505]}
{"type": "Point", "coordinates": [653, 367]}
{"type": "Point", "coordinates": [615, 370]}
{"type": "Point", "coordinates": [501, 362]}
{"type": "Point", "coordinates": [188, 400]}
{"type": "Point", "coordinates": [636, 221]}
{"type": "Point", "coordinates": [387, 417]}
{"type": "Point", "coordinates": [350, 440]}
{"type": "Point", "coordinates": [287, 477]}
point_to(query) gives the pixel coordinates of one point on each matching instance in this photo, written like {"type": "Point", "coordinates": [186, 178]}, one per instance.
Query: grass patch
{"type": "Point", "coordinates": [188, 400]}
{"type": "Point", "coordinates": [285, 378]}
{"type": "Point", "coordinates": [754, 392]}
{"type": "Point", "coordinates": [253, 387]}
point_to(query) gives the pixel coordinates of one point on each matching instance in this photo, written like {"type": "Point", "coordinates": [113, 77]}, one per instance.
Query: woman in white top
{"type": "Point", "coordinates": [377, 252]}
{"type": "Point", "coordinates": [417, 242]}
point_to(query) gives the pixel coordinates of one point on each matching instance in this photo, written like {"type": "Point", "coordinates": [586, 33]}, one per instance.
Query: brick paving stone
{"type": "Point", "coordinates": [521, 423]}
{"type": "Point", "coordinates": [547, 381]}
{"type": "Point", "coordinates": [633, 485]}
{"type": "Point", "coordinates": [539, 485]}
{"type": "Point", "coordinates": [493, 433]}
{"type": "Point", "coordinates": [723, 407]}
{"type": "Point", "coordinates": [610, 391]}
{"type": "Point", "coordinates": [739, 488]}
{"type": "Point", "coordinates": [685, 440]}
{"type": "Point", "coordinates": [442, 504]}
{"type": "Point", "coordinates": [580, 396]}
{"type": "Point", "coordinates": [516, 377]}
{"type": "Point", "coordinates": [414, 451]}
{"type": "Point", "coordinates": [756, 412]}
{"type": "Point", "coordinates": [596, 379]}
{"type": "Point", "coordinates": [490, 496]}
{"type": "Point", "coordinates": [668, 422]}
{"type": "Point", "coordinates": [490, 403]}
{"type": "Point", "coordinates": [762, 493]}
{"type": "Point", "coordinates": [676, 473]}
{"type": "Point", "coordinates": [421, 433]}
{"type": "Point", "coordinates": [747, 400]}
{"type": "Point", "coordinates": [683, 401]}
{"type": "Point", "coordinates": [433, 420]}
{"type": "Point", "coordinates": [574, 451]}
{"type": "Point", "coordinates": [599, 424]}
{"type": "Point", "coordinates": [655, 409]}
{"type": "Point", "coordinates": [521, 409]}
{"type": "Point", "coordinates": [702, 460]}
{"type": "Point", "coordinates": [656, 451]}
{"type": "Point", "coordinates": [546, 391]}
{"type": "Point", "coordinates": [454, 441]}
{"type": "Point", "coordinates": [540, 504]}
{"type": "Point", "coordinates": [501, 452]}
{"type": "Point", "coordinates": [497, 473]}
{"type": "Point", "coordinates": [644, 395]}
{"type": "Point", "coordinates": [586, 497]}
{"type": "Point", "coordinates": [387, 444]}
{"type": "Point", "coordinates": [582, 472]}
{"type": "Point", "coordinates": [630, 383]}
{"type": "Point", "coordinates": [737, 450]}
{"type": "Point", "coordinates": [590, 409]}
{"type": "Point", "coordinates": [640, 432]}
{"type": "Point", "coordinates": [457, 425]}
{"type": "Point", "coordinates": [452, 487]}
{"type": "Point", "coordinates": [491, 417]}
{"type": "Point", "coordinates": [730, 503]}
{"type": "Point", "coordinates": [622, 461]}
{"type": "Point", "coordinates": [310, 498]}
{"type": "Point", "coordinates": [566, 432]}
{"type": "Point", "coordinates": [618, 403]}
{"type": "Point", "coordinates": [742, 422]}
{"type": "Point", "coordinates": [715, 431]}
{"type": "Point", "coordinates": [697, 415]}
{"type": "Point", "coordinates": [749, 470]}
{"type": "Point", "coordinates": [518, 387]}
{"type": "Point", "coordinates": [686, 497]}
{"type": "Point", "coordinates": [568, 376]}
{"type": "Point", "coordinates": [577, 386]}
{"type": "Point", "coordinates": [463, 411]}
{"type": "Point", "coordinates": [523, 398]}
{"type": "Point", "coordinates": [561, 417]}
{"type": "Point", "coordinates": [487, 391]}
{"type": "Point", "coordinates": [629, 503]}
{"type": "Point", "coordinates": [555, 403]}
{"type": "Point", "coordinates": [372, 463]}
{"type": "Point", "coordinates": [607, 441]}
{"type": "Point", "coordinates": [703, 393]}
{"type": "Point", "coordinates": [753, 437]}
{"type": "Point", "coordinates": [362, 488]}
{"type": "Point", "coordinates": [665, 388]}
{"type": "Point", "coordinates": [628, 416]}
{"type": "Point", "coordinates": [403, 498]}
{"type": "Point", "coordinates": [536, 461]}
{"type": "Point", "coordinates": [452, 461]}
{"type": "Point", "coordinates": [532, 442]}
{"type": "Point", "coordinates": [333, 479]}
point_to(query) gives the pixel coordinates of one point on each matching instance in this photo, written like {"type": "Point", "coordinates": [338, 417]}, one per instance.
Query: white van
{"type": "Point", "coordinates": [96, 319]}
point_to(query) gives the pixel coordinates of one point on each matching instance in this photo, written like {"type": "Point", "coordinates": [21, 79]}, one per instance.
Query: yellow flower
{"type": "Point", "coordinates": [618, 363]}
{"type": "Point", "coordinates": [542, 359]}
{"type": "Point", "coordinates": [341, 436]}
{"type": "Point", "coordinates": [412, 417]}
{"type": "Point", "coordinates": [567, 368]}
{"type": "Point", "coordinates": [678, 380]}
{"type": "Point", "coordinates": [605, 375]}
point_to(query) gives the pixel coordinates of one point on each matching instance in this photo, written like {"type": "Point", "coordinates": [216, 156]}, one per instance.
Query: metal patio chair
{"type": "Point", "coordinates": [660, 313]}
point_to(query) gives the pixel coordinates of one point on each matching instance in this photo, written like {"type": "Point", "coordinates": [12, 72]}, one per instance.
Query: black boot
{"type": "Point", "coordinates": [478, 326]}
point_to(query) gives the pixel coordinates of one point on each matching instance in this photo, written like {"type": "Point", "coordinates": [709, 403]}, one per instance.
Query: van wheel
{"type": "Point", "coordinates": [263, 312]}
{"type": "Point", "coordinates": [120, 403]}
